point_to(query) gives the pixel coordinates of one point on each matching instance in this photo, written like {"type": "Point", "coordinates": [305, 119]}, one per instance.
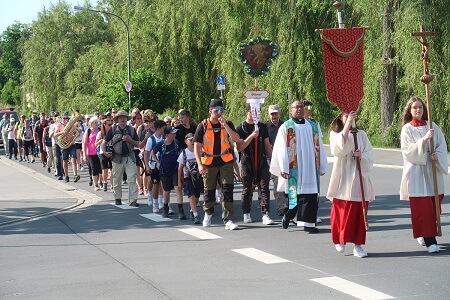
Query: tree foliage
{"type": "Point", "coordinates": [78, 60]}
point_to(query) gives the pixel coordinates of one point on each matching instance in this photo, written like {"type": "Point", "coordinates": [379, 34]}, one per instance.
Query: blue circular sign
{"type": "Point", "coordinates": [220, 79]}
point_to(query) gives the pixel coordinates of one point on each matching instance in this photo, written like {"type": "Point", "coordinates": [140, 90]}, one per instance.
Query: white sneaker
{"type": "Point", "coordinates": [421, 241]}
{"type": "Point", "coordinates": [433, 249]}
{"type": "Point", "coordinates": [340, 248]}
{"type": "Point", "coordinates": [160, 205]}
{"type": "Point", "coordinates": [247, 218]}
{"type": "Point", "coordinates": [155, 209]}
{"type": "Point", "coordinates": [358, 251]}
{"type": "Point", "coordinates": [231, 226]}
{"type": "Point", "coordinates": [207, 220]}
{"type": "Point", "coordinates": [267, 220]}
{"type": "Point", "coordinates": [319, 220]}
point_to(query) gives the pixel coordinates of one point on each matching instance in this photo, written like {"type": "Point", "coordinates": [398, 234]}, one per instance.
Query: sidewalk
{"type": "Point", "coordinates": [27, 194]}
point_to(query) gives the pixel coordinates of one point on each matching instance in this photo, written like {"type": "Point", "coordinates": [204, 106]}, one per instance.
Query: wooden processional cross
{"type": "Point", "coordinates": [426, 79]}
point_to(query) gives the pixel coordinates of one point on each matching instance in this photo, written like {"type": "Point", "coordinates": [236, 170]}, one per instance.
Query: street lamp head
{"type": "Point", "coordinates": [79, 8]}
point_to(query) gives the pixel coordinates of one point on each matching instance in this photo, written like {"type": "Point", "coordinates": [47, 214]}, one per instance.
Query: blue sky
{"type": "Point", "coordinates": [26, 11]}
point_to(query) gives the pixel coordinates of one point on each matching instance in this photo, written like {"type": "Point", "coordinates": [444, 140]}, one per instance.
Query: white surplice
{"type": "Point", "coordinates": [306, 180]}
{"type": "Point", "coordinates": [344, 181]}
{"type": "Point", "coordinates": [417, 178]}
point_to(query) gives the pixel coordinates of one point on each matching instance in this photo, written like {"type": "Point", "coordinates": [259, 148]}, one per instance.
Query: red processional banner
{"type": "Point", "coordinates": [343, 55]}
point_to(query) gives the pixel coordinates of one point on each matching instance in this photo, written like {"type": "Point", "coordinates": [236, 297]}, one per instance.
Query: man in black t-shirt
{"type": "Point", "coordinates": [254, 153]}
{"type": "Point", "coordinates": [214, 153]}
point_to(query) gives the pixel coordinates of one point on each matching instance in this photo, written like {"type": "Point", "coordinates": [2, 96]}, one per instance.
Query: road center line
{"type": "Point", "coordinates": [261, 256]}
{"type": "Point", "coordinates": [201, 234]}
{"type": "Point", "coordinates": [351, 288]}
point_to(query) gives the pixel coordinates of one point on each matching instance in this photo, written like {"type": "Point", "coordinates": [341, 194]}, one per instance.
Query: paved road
{"type": "Point", "coordinates": [98, 250]}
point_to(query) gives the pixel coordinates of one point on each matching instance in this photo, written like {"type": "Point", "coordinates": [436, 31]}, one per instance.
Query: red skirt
{"type": "Point", "coordinates": [423, 216]}
{"type": "Point", "coordinates": [347, 222]}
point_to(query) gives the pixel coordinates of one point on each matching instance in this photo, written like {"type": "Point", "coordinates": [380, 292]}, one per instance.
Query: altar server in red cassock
{"type": "Point", "coordinates": [347, 218]}
{"type": "Point", "coordinates": [417, 179]}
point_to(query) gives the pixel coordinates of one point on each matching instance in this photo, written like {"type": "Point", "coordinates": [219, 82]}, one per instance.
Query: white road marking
{"type": "Point", "coordinates": [352, 289]}
{"type": "Point", "coordinates": [123, 206]}
{"type": "Point", "coordinates": [200, 234]}
{"type": "Point", "coordinates": [155, 217]}
{"type": "Point", "coordinates": [261, 256]}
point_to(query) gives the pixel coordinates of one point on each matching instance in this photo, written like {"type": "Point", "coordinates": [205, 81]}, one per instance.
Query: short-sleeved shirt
{"type": "Point", "coordinates": [129, 131]}
{"type": "Point", "coordinates": [149, 147]}
{"type": "Point", "coordinates": [244, 130]}
{"type": "Point", "coordinates": [190, 163]}
{"type": "Point", "coordinates": [182, 132]}
{"type": "Point", "coordinates": [273, 130]}
{"type": "Point", "coordinates": [168, 159]}
{"type": "Point", "coordinates": [200, 133]}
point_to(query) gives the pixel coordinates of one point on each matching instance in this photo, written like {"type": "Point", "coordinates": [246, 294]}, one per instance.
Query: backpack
{"type": "Point", "coordinates": [117, 139]}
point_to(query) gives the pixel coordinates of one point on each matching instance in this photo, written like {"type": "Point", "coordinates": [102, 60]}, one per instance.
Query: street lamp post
{"type": "Point", "coordinates": [128, 84]}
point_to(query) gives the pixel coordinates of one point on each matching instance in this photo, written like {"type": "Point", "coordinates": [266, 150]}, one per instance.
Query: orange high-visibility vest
{"type": "Point", "coordinates": [208, 145]}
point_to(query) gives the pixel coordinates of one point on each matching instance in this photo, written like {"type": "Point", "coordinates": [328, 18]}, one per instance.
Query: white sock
{"type": "Point", "coordinates": [195, 214]}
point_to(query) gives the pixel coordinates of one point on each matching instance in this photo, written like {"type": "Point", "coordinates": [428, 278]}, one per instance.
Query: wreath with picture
{"type": "Point", "coordinates": [258, 55]}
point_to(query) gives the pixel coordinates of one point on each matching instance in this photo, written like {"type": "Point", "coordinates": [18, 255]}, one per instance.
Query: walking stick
{"type": "Point", "coordinates": [354, 131]}
{"type": "Point", "coordinates": [426, 79]}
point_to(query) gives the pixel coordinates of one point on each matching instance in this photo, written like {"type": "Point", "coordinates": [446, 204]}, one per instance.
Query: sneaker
{"type": "Point", "coordinates": [319, 220]}
{"type": "Point", "coordinates": [191, 214]}
{"type": "Point", "coordinates": [181, 215]}
{"type": "Point", "coordinates": [141, 191]}
{"type": "Point", "coordinates": [67, 178]}
{"type": "Point", "coordinates": [97, 188]}
{"type": "Point", "coordinates": [90, 181]}
{"type": "Point", "coordinates": [171, 212]}
{"type": "Point", "coordinates": [421, 241]}
{"type": "Point", "coordinates": [150, 202]}
{"type": "Point", "coordinates": [33, 160]}
{"type": "Point", "coordinates": [267, 220]}
{"type": "Point", "coordinates": [231, 226]}
{"type": "Point", "coordinates": [340, 248]}
{"type": "Point", "coordinates": [82, 168]}
{"type": "Point", "coordinates": [118, 202]}
{"type": "Point", "coordinates": [49, 170]}
{"type": "Point", "coordinates": [247, 218]}
{"type": "Point", "coordinates": [105, 187]}
{"type": "Point", "coordinates": [165, 213]}
{"type": "Point", "coordinates": [285, 222]}
{"type": "Point", "coordinates": [77, 177]}
{"type": "Point", "coordinates": [100, 184]}
{"type": "Point", "coordinates": [433, 248]}
{"type": "Point", "coordinates": [358, 251]}
{"type": "Point", "coordinates": [197, 220]}
{"type": "Point", "coordinates": [134, 204]}
{"type": "Point", "coordinates": [161, 206]}
{"type": "Point", "coordinates": [207, 220]}
{"type": "Point", "coordinates": [155, 209]}
{"type": "Point", "coordinates": [124, 182]}
{"type": "Point", "coordinates": [60, 177]}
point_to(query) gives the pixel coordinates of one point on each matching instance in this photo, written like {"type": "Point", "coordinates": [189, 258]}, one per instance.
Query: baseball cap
{"type": "Point", "coordinates": [216, 103]}
{"type": "Point", "coordinates": [189, 136]}
{"type": "Point", "coordinates": [170, 129]}
{"type": "Point", "coordinates": [274, 109]}
{"type": "Point", "coordinates": [12, 120]}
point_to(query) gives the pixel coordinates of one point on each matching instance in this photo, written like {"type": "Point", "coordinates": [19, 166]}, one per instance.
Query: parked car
{"type": "Point", "coordinates": [9, 111]}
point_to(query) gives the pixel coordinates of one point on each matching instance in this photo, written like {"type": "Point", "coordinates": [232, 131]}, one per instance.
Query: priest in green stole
{"type": "Point", "coordinates": [294, 162]}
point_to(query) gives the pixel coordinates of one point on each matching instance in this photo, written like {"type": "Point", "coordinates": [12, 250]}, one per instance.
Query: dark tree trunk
{"type": "Point", "coordinates": [388, 80]}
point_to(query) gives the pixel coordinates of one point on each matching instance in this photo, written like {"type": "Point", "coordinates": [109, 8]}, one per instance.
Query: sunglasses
{"type": "Point", "coordinates": [308, 107]}
{"type": "Point", "coordinates": [297, 106]}
{"type": "Point", "coordinates": [219, 110]}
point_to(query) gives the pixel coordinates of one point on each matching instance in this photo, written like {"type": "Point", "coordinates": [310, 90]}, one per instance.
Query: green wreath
{"type": "Point", "coordinates": [258, 55]}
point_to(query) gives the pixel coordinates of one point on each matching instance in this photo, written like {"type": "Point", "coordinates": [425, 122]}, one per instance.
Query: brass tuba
{"type": "Point", "coordinates": [70, 133]}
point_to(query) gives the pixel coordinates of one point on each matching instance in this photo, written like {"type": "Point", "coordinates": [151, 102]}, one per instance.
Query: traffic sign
{"type": "Point", "coordinates": [128, 86]}
{"type": "Point", "coordinates": [256, 94]}
{"type": "Point", "coordinates": [221, 87]}
{"type": "Point", "coordinates": [220, 80]}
